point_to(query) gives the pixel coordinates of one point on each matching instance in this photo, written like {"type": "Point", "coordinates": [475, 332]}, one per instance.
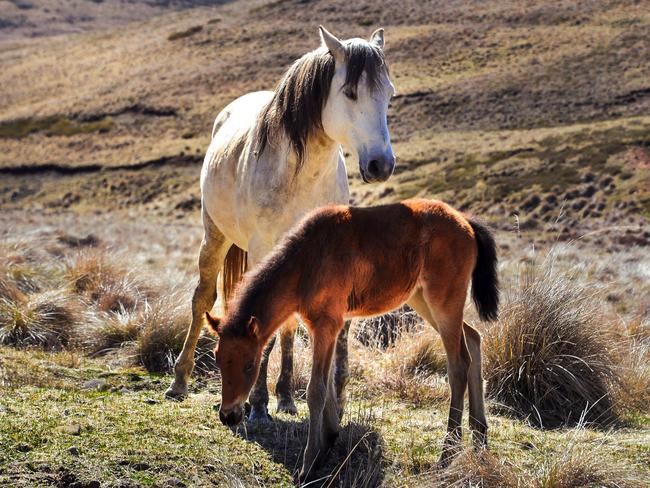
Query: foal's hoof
{"type": "Point", "coordinates": [176, 394]}
{"type": "Point", "coordinates": [287, 406]}
{"type": "Point", "coordinates": [259, 415]}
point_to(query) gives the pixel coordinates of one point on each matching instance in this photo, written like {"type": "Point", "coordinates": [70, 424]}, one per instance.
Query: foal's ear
{"type": "Point", "coordinates": [332, 43]}
{"type": "Point", "coordinates": [377, 38]}
{"type": "Point", "coordinates": [253, 326]}
{"type": "Point", "coordinates": [213, 322]}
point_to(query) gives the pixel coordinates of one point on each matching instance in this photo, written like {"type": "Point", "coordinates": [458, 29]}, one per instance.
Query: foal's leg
{"type": "Point", "coordinates": [284, 386]}
{"type": "Point", "coordinates": [318, 440]}
{"type": "Point", "coordinates": [477, 419]}
{"type": "Point", "coordinates": [212, 253]}
{"type": "Point", "coordinates": [259, 396]}
{"type": "Point", "coordinates": [458, 361]}
{"type": "Point", "coordinates": [342, 369]}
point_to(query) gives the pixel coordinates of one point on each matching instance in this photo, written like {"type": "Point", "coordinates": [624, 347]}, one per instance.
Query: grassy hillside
{"type": "Point", "coordinates": [495, 100]}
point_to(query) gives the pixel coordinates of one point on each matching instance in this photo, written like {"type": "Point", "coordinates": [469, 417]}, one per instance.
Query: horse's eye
{"type": "Point", "coordinates": [248, 369]}
{"type": "Point", "coordinates": [350, 94]}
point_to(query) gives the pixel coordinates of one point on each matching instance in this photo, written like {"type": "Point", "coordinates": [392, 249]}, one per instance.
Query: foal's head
{"type": "Point", "coordinates": [342, 91]}
{"type": "Point", "coordinates": [238, 355]}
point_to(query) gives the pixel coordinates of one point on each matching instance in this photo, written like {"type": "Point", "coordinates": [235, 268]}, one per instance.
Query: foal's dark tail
{"type": "Point", "coordinates": [485, 284]}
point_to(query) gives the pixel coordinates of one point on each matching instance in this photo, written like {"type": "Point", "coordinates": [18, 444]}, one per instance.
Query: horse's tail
{"type": "Point", "coordinates": [485, 283]}
{"type": "Point", "coordinates": [234, 267]}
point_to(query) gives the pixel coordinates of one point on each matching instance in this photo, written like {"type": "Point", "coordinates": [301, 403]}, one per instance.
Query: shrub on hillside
{"type": "Point", "coordinates": [551, 357]}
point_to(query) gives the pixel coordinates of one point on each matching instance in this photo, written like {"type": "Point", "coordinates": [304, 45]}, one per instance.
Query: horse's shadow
{"type": "Point", "coordinates": [356, 459]}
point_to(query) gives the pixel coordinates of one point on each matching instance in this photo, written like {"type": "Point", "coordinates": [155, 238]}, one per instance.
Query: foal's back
{"type": "Point", "coordinates": [366, 261]}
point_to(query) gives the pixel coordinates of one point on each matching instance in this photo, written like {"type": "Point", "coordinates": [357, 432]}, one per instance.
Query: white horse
{"type": "Point", "coordinates": [275, 156]}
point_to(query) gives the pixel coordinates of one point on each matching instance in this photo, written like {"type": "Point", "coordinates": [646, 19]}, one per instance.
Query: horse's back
{"type": "Point", "coordinates": [242, 112]}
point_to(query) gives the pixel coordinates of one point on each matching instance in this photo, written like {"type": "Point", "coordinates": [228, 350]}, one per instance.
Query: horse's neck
{"type": "Point", "coordinates": [321, 158]}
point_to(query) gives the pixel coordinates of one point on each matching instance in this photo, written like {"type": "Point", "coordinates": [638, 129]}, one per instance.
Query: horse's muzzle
{"type": "Point", "coordinates": [377, 169]}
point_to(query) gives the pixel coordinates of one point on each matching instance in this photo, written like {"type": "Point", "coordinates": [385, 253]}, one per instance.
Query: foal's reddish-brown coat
{"type": "Point", "coordinates": [346, 261]}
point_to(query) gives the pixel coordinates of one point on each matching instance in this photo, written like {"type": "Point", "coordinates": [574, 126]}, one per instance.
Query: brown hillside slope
{"type": "Point", "coordinates": [496, 101]}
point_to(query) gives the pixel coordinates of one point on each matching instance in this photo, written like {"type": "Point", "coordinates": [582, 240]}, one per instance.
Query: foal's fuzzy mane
{"type": "Point", "coordinates": [258, 285]}
{"type": "Point", "coordinates": [298, 101]}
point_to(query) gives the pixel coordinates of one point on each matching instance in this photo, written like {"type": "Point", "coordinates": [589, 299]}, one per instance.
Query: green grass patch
{"type": "Point", "coordinates": [53, 126]}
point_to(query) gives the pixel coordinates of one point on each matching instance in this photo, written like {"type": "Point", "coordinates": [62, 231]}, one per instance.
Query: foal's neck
{"type": "Point", "coordinates": [270, 293]}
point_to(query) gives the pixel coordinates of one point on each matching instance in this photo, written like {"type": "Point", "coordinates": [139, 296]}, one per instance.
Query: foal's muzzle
{"type": "Point", "coordinates": [378, 168]}
{"type": "Point", "coordinates": [233, 417]}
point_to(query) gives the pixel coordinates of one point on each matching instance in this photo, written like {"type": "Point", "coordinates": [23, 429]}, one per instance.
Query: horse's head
{"type": "Point", "coordinates": [355, 113]}
{"type": "Point", "coordinates": [238, 356]}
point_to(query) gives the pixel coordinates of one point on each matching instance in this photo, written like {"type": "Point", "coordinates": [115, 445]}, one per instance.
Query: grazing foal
{"type": "Point", "coordinates": [342, 262]}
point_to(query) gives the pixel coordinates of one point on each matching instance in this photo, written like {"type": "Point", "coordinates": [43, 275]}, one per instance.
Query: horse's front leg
{"type": "Point", "coordinates": [213, 251]}
{"type": "Point", "coordinates": [319, 438]}
{"type": "Point", "coordinates": [284, 386]}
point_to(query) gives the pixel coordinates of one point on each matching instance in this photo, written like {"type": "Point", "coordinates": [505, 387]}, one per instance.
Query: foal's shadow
{"type": "Point", "coordinates": [356, 459]}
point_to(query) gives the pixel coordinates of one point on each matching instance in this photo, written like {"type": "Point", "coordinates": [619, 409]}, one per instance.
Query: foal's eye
{"type": "Point", "coordinates": [248, 369]}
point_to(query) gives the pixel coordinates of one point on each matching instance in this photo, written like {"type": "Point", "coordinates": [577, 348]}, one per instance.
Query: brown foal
{"type": "Point", "coordinates": [342, 262]}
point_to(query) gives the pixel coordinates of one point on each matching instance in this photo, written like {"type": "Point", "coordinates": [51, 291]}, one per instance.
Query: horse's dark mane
{"type": "Point", "coordinates": [298, 101]}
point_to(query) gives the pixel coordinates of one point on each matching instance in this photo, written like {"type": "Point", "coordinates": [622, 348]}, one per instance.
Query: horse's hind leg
{"type": "Point", "coordinates": [458, 361]}
{"type": "Point", "coordinates": [446, 308]}
{"type": "Point", "coordinates": [213, 251]}
{"type": "Point", "coordinates": [477, 419]}
{"type": "Point", "coordinates": [284, 386]}
{"type": "Point", "coordinates": [342, 369]}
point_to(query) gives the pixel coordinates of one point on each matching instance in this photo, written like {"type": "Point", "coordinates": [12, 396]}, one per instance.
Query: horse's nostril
{"type": "Point", "coordinates": [373, 167]}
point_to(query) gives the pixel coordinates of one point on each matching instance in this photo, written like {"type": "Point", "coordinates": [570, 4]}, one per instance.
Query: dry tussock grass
{"type": "Point", "coordinates": [574, 466]}
{"type": "Point", "coordinates": [89, 298]}
{"type": "Point", "coordinates": [110, 282]}
{"type": "Point", "coordinates": [45, 320]}
{"type": "Point", "coordinates": [552, 357]}
{"type": "Point", "coordinates": [162, 333]}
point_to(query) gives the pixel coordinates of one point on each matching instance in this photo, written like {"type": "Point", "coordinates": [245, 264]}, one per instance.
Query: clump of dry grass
{"type": "Point", "coordinates": [552, 357]}
{"type": "Point", "coordinates": [163, 329]}
{"type": "Point", "coordinates": [409, 370]}
{"type": "Point", "coordinates": [111, 331]}
{"type": "Point", "coordinates": [46, 320]}
{"type": "Point", "coordinates": [107, 281]}
{"type": "Point", "coordinates": [427, 357]}
{"type": "Point", "coordinates": [484, 469]}
{"type": "Point", "coordinates": [574, 466]}
{"type": "Point", "coordinates": [634, 392]}
{"type": "Point", "coordinates": [579, 465]}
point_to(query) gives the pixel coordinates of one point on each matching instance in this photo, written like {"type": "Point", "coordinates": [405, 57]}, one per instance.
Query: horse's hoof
{"type": "Point", "coordinates": [176, 394]}
{"type": "Point", "coordinates": [445, 459]}
{"type": "Point", "coordinates": [259, 415]}
{"type": "Point", "coordinates": [287, 406]}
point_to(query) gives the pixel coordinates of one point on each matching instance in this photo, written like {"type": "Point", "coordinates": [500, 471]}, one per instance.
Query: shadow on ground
{"type": "Point", "coordinates": [356, 460]}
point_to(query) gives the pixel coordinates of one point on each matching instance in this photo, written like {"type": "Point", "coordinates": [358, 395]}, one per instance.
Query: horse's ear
{"type": "Point", "coordinates": [213, 322]}
{"type": "Point", "coordinates": [253, 326]}
{"type": "Point", "coordinates": [332, 44]}
{"type": "Point", "coordinates": [377, 38]}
